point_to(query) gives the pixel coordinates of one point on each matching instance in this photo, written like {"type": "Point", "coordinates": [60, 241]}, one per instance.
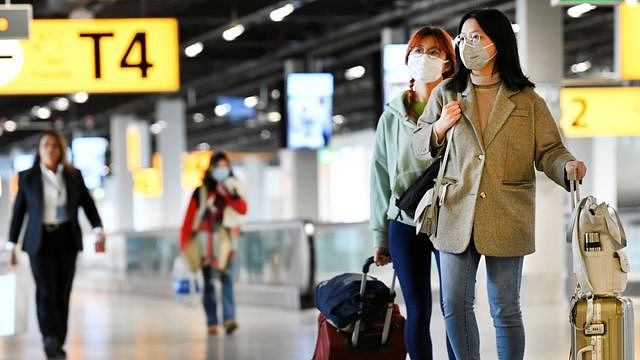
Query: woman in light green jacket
{"type": "Point", "coordinates": [430, 57]}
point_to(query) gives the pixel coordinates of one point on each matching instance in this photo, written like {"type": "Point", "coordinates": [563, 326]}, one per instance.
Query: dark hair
{"type": "Point", "coordinates": [498, 27]}
{"type": "Point", "coordinates": [62, 145]}
{"type": "Point", "coordinates": [208, 179]}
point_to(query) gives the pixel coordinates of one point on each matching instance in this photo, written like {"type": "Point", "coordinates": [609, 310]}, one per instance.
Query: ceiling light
{"type": "Point", "coordinates": [10, 125]}
{"type": "Point", "coordinates": [157, 127]}
{"type": "Point", "coordinates": [43, 113]}
{"type": "Point", "coordinates": [355, 72]}
{"type": "Point", "coordinates": [81, 13]}
{"type": "Point", "coordinates": [516, 28]}
{"type": "Point", "coordinates": [251, 101]}
{"type": "Point", "coordinates": [274, 116]}
{"type": "Point", "coordinates": [198, 117]}
{"type": "Point", "coordinates": [203, 146]}
{"type": "Point", "coordinates": [579, 10]}
{"type": "Point", "coordinates": [338, 119]}
{"type": "Point", "coordinates": [222, 109]}
{"type": "Point", "coordinates": [60, 104]}
{"type": "Point", "coordinates": [34, 110]}
{"type": "Point", "coordinates": [233, 32]}
{"type": "Point", "coordinates": [265, 134]}
{"type": "Point", "coordinates": [309, 229]}
{"type": "Point", "coordinates": [580, 67]}
{"type": "Point", "coordinates": [80, 97]}
{"type": "Point", "coordinates": [280, 13]}
{"type": "Point", "coordinates": [275, 94]}
{"type": "Point", "coordinates": [194, 49]}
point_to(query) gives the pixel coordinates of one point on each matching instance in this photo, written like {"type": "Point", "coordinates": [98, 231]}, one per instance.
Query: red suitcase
{"type": "Point", "coordinates": [384, 340]}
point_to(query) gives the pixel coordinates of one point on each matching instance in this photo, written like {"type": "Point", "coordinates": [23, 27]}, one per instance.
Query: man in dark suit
{"type": "Point", "coordinates": [50, 193]}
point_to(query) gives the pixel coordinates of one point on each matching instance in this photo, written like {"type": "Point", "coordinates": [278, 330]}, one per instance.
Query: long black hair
{"type": "Point", "coordinates": [498, 27]}
{"type": "Point", "coordinates": [208, 179]}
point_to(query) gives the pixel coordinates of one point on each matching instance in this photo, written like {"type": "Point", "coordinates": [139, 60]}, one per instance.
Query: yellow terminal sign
{"type": "Point", "coordinates": [97, 56]}
{"type": "Point", "coordinates": [629, 28]}
{"type": "Point", "coordinates": [193, 167]}
{"type": "Point", "coordinates": [147, 182]}
{"type": "Point", "coordinates": [590, 112]}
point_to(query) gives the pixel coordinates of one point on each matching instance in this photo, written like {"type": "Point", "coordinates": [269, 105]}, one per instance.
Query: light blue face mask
{"type": "Point", "coordinates": [220, 173]}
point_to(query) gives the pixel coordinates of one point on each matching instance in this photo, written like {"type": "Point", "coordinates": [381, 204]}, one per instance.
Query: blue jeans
{"type": "Point", "coordinates": [411, 256]}
{"type": "Point", "coordinates": [504, 275]}
{"type": "Point", "coordinates": [209, 295]}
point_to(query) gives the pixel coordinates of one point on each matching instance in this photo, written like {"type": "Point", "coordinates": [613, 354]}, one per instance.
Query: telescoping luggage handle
{"type": "Point", "coordinates": [387, 318]}
{"type": "Point", "coordinates": [574, 187]}
{"type": "Point", "coordinates": [574, 190]}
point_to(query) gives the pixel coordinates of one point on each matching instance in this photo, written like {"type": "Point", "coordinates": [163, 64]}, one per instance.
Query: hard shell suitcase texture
{"type": "Point", "coordinates": [610, 335]}
{"type": "Point", "coordinates": [334, 345]}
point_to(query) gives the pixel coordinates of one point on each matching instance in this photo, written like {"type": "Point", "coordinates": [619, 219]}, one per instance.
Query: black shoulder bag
{"type": "Point", "coordinates": [411, 197]}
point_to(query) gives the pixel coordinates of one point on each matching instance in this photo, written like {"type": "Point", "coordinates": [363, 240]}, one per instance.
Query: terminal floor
{"type": "Point", "coordinates": [117, 326]}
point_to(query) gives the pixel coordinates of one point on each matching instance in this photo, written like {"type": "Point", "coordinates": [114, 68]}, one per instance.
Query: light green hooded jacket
{"type": "Point", "coordinates": [394, 168]}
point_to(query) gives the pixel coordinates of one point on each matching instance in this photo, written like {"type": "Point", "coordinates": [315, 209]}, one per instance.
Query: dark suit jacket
{"type": "Point", "coordinates": [30, 201]}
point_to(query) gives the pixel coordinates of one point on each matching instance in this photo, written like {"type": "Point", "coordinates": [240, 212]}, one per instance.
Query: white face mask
{"type": "Point", "coordinates": [475, 57]}
{"type": "Point", "coordinates": [425, 69]}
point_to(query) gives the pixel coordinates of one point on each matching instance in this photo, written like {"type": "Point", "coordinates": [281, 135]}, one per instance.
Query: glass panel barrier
{"type": "Point", "coordinates": [274, 253]}
{"type": "Point", "coordinates": [273, 261]}
{"type": "Point", "coordinates": [341, 248]}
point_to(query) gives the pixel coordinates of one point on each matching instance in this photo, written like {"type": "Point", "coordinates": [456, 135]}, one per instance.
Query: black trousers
{"type": "Point", "coordinates": [53, 269]}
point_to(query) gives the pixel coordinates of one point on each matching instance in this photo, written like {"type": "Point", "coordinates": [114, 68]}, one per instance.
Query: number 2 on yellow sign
{"type": "Point", "coordinates": [577, 122]}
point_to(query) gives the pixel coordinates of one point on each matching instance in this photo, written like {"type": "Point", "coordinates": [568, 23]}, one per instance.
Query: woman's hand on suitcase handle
{"type": "Point", "coordinates": [14, 257]}
{"type": "Point", "coordinates": [576, 166]}
{"type": "Point", "coordinates": [381, 256]}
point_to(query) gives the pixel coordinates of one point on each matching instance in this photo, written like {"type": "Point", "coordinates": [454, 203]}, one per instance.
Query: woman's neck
{"type": "Point", "coordinates": [51, 166]}
{"type": "Point", "coordinates": [423, 90]}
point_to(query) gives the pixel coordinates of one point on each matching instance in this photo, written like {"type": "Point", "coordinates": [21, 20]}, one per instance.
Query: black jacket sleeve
{"type": "Point", "coordinates": [19, 210]}
{"type": "Point", "coordinates": [87, 203]}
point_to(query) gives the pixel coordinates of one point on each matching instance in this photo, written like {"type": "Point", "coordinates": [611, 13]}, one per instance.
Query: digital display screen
{"type": "Point", "coordinates": [395, 75]}
{"type": "Point", "coordinates": [309, 110]}
{"type": "Point", "coordinates": [23, 162]}
{"type": "Point", "coordinates": [89, 157]}
{"type": "Point", "coordinates": [235, 109]}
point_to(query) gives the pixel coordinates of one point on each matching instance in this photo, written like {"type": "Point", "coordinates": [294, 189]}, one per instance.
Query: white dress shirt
{"type": "Point", "coordinates": [54, 191]}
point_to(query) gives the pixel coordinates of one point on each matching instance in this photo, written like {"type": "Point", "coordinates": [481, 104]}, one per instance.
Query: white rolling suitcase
{"type": "Point", "coordinates": [602, 322]}
{"type": "Point", "coordinates": [16, 288]}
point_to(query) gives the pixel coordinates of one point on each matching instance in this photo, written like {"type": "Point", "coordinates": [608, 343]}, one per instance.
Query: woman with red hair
{"type": "Point", "coordinates": [430, 57]}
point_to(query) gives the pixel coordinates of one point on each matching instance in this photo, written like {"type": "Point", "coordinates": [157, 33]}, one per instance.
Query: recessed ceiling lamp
{"type": "Point", "coordinates": [222, 109]}
{"type": "Point", "coordinates": [233, 32]}
{"type": "Point", "coordinates": [355, 72]}
{"type": "Point", "coordinates": [581, 67]}
{"type": "Point", "coordinates": [194, 49]}
{"type": "Point", "coordinates": [282, 12]}
{"type": "Point", "coordinates": [579, 10]}
{"type": "Point", "coordinates": [251, 101]}
{"type": "Point", "coordinates": [10, 126]}
{"type": "Point", "coordinates": [274, 116]}
{"type": "Point", "coordinates": [60, 104]}
{"type": "Point", "coordinates": [80, 97]}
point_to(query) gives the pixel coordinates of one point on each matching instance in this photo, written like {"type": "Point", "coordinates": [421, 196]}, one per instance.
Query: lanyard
{"type": "Point", "coordinates": [54, 184]}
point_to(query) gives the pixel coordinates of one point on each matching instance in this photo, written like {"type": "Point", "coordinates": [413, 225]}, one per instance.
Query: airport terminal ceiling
{"type": "Point", "coordinates": [322, 35]}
